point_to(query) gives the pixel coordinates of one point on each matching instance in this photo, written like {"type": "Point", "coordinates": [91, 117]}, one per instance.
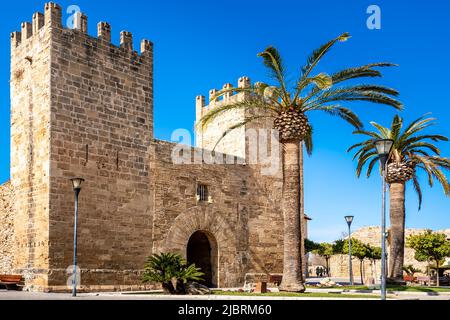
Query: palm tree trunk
{"type": "Point", "coordinates": [301, 205]}
{"type": "Point", "coordinates": [292, 260]}
{"type": "Point", "coordinates": [397, 230]}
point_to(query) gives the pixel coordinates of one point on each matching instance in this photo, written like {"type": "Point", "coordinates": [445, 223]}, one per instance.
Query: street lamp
{"type": "Point", "coordinates": [76, 184]}
{"type": "Point", "coordinates": [384, 148]}
{"type": "Point", "coordinates": [349, 220]}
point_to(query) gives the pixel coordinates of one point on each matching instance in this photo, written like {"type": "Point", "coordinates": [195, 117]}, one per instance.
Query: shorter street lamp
{"type": "Point", "coordinates": [76, 184]}
{"type": "Point", "coordinates": [349, 220]}
{"type": "Point", "coordinates": [384, 148]}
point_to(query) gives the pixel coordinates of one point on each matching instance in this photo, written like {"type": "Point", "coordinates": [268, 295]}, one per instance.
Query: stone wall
{"type": "Point", "coordinates": [6, 228]}
{"type": "Point", "coordinates": [81, 106]}
{"type": "Point", "coordinates": [102, 125]}
{"type": "Point", "coordinates": [372, 236]}
{"type": "Point", "coordinates": [242, 217]}
{"type": "Point", "coordinates": [30, 143]}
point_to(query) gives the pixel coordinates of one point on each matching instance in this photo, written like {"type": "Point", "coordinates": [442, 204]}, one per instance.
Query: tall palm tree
{"type": "Point", "coordinates": [413, 149]}
{"type": "Point", "coordinates": [288, 105]}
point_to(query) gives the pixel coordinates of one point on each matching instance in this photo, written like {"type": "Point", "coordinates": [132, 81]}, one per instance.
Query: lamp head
{"type": "Point", "coordinates": [76, 183]}
{"type": "Point", "coordinates": [384, 146]}
{"type": "Point", "coordinates": [349, 220]}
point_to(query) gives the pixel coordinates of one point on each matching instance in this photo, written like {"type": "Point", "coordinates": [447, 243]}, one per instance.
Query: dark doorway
{"type": "Point", "coordinates": [200, 251]}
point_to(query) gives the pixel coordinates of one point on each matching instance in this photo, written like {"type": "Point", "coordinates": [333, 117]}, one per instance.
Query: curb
{"type": "Point", "coordinates": [397, 293]}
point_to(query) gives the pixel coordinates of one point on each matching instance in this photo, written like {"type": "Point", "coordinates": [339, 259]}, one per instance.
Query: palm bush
{"type": "Point", "coordinates": [413, 149]}
{"type": "Point", "coordinates": [411, 270]}
{"type": "Point", "coordinates": [172, 271]}
{"type": "Point", "coordinates": [288, 106]}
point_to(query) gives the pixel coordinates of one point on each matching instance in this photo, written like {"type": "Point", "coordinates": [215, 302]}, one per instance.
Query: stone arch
{"type": "Point", "coordinates": [212, 224]}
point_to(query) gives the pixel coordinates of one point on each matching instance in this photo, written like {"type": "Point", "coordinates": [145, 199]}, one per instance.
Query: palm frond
{"type": "Point", "coordinates": [418, 190]}
{"type": "Point", "coordinates": [360, 72]}
{"type": "Point", "coordinates": [343, 113]}
{"type": "Point", "coordinates": [348, 94]}
{"type": "Point", "coordinates": [272, 60]}
{"type": "Point", "coordinates": [309, 141]}
{"type": "Point", "coordinates": [317, 54]}
{"type": "Point", "coordinates": [250, 103]}
{"type": "Point", "coordinates": [385, 132]}
{"type": "Point", "coordinates": [372, 165]}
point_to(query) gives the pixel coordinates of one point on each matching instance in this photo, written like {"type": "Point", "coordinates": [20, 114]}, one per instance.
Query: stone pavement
{"type": "Point", "coordinates": [18, 295]}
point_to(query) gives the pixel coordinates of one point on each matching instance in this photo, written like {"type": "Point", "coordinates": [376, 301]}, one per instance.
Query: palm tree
{"type": "Point", "coordinates": [288, 105]}
{"type": "Point", "coordinates": [412, 150]}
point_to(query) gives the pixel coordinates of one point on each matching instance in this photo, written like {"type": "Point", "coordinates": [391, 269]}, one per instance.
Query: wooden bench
{"type": "Point", "coordinates": [423, 280]}
{"type": "Point", "coordinates": [14, 282]}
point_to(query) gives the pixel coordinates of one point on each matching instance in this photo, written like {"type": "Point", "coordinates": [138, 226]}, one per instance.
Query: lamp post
{"type": "Point", "coordinates": [76, 184]}
{"type": "Point", "coordinates": [349, 220]}
{"type": "Point", "coordinates": [384, 148]}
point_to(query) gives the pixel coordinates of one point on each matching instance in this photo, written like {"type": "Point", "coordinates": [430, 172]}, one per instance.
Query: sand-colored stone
{"type": "Point", "coordinates": [81, 106]}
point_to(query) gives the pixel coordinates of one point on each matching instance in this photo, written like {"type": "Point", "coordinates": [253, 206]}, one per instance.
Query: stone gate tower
{"type": "Point", "coordinates": [80, 106]}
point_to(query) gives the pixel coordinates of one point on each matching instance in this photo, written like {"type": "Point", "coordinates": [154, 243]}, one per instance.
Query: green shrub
{"type": "Point", "coordinates": [172, 271]}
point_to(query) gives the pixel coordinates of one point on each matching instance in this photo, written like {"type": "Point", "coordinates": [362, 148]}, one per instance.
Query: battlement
{"type": "Point", "coordinates": [51, 19]}
{"type": "Point", "coordinates": [228, 97]}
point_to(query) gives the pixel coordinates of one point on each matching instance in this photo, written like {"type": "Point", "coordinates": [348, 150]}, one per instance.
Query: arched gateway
{"type": "Point", "coordinates": [202, 250]}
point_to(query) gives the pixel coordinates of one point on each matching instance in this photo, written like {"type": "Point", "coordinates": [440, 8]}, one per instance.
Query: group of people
{"type": "Point", "coordinates": [321, 271]}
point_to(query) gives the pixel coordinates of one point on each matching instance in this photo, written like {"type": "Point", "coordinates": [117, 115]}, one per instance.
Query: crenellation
{"type": "Point", "coordinates": [27, 30]}
{"type": "Point", "coordinates": [80, 22]}
{"type": "Point", "coordinates": [199, 105]}
{"type": "Point", "coordinates": [38, 22]}
{"type": "Point", "coordinates": [212, 94]}
{"type": "Point", "coordinates": [126, 40]}
{"type": "Point", "coordinates": [104, 31]}
{"type": "Point", "coordinates": [244, 82]}
{"type": "Point", "coordinates": [146, 46]}
{"type": "Point", "coordinates": [227, 95]}
{"type": "Point", "coordinates": [16, 38]}
{"type": "Point", "coordinates": [53, 15]}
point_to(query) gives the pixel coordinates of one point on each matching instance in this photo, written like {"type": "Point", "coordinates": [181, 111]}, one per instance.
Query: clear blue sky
{"type": "Point", "coordinates": [200, 45]}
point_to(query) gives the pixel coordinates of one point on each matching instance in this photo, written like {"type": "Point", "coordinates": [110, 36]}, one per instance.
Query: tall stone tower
{"type": "Point", "coordinates": [80, 106]}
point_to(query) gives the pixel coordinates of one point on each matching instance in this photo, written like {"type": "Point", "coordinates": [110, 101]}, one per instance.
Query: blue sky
{"type": "Point", "coordinates": [201, 45]}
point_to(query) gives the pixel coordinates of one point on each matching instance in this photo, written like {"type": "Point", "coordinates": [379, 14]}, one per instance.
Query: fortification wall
{"type": "Point", "coordinates": [372, 236]}
{"type": "Point", "coordinates": [243, 217]}
{"type": "Point", "coordinates": [30, 144]}
{"type": "Point", "coordinates": [6, 228]}
{"type": "Point", "coordinates": [102, 125]}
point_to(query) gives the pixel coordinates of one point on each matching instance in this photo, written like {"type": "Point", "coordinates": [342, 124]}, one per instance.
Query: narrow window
{"type": "Point", "coordinates": [202, 192]}
{"type": "Point", "coordinates": [87, 153]}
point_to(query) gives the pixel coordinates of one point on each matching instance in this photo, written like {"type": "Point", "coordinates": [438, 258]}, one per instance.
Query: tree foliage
{"type": "Point", "coordinates": [172, 271]}
{"type": "Point", "coordinates": [411, 145]}
{"type": "Point", "coordinates": [361, 251]}
{"type": "Point", "coordinates": [311, 91]}
{"type": "Point", "coordinates": [430, 246]}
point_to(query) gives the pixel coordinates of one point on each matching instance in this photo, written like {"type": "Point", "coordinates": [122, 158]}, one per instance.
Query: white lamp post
{"type": "Point", "coordinates": [349, 220]}
{"type": "Point", "coordinates": [384, 148]}
{"type": "Point", "coordinates": [76, 184]}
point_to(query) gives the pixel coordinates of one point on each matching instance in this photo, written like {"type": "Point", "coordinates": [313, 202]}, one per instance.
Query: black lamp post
{"type": "Point", "coordinates": [76, 184]}
{"type": "Point", "coordinates": [384, 148]}
{"type": "Point", "coordinates": [349, 220]}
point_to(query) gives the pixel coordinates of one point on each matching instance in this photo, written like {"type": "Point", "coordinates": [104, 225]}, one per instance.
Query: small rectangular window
{"type": "Point", "coordinates": [202, 192]}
